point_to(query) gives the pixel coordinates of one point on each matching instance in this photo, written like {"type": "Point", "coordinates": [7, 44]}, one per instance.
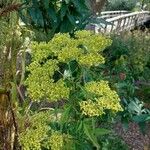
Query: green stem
{"type": "Point", "coordinates": [23, 67]}
{"type": "Point", "coordinates": [93, 123]}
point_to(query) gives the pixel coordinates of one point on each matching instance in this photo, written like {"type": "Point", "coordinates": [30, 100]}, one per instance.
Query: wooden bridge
{"type": "Point", "coordinates": [119, 21]}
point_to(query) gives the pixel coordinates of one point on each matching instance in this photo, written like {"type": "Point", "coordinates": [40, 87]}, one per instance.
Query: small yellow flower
{"type": "Point", "coordinates": [105, 99]}
{"type": "Point", "coordinates": [56, 141]}
{"type": "Point", "coordinates": [91, 59]}
{"type": "Point", "coordinates": [91, 108]}
{"type": "Point", "coordinates": [69, 53]}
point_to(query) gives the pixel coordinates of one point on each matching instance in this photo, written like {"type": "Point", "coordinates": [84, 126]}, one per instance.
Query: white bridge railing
{"type": "Point", "coordinates": [111, 14]}
{"type": "Point", "coordinates": [123, 22]}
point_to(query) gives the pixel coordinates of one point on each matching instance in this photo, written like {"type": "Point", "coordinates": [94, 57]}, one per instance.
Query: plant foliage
{"type": "Point", "coordinates": [61, 70]}
{"type": "Point", "coordinates": [53, 16]}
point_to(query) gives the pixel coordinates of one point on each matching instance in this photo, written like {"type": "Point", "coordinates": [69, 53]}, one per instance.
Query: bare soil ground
{"type": "Point", "coordinates": [133, 136]}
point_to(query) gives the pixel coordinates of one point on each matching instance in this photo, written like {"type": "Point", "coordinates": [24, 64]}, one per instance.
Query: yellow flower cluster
{"type": "Point", "coordinates": [105, 99]}
{"type": "Point", "coordinates": [83, 34]}
{"type": "Point", "coordinates": [58, 141]}
{"type": "Point", "coordinates": [99, 88]}
{"type": "Point", "coordinates": [59, 41]}
{"type": "Point", "coordinates": [91, 108]}
{"type": "Point", "coordinates": [91, 59]}
{"type": "Point", "coordinates": [41, 83]}
{"type": "Point", "coordinates": [109, 104]}
{"type": "Point", "coordinates": [68, 54]}
{"type": "Point", "coordinates": [46, 57]}
{"type": "Point", "coordinates": [93, 42]}
{"type": "Point", "coordinates": [57, 91]}
{"type": "Point", "coordinates": [71, 49]}
{"type": "Point", "coordinates": [40, 51]}
{"type": "Point", "coordinates": [32, 137]}
{"type": "Point", "coordinates": [67, 49]}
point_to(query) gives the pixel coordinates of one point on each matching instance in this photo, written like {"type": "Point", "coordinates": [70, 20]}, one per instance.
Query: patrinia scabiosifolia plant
{"type": "Point", "coordinates": [61, 70]}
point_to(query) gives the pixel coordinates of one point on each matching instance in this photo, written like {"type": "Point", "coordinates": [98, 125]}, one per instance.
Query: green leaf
{"type": "Point", "coordinates": [136, 107]}
{"type": "Point", "coordinates": [66, 26]}
{"type": "Point", "coordinates": [36, 16]}
{"type": "Point", "coordinates": [91, 136]}
{"type": "Point", "coordinates": [66, 115]}
{"type": "Point", "coordinates": [67, 1]}
{"type": "Point", "coordinates": [40, 20]}
{"type": "Point", "coordinates": [35, 3]}
{"type": "Point", "coordinates": [141, 118]}
{"type": "Point", "coordinates": [80, 5]}
{"type": "Point", "coordinates": [71, 19]}
{"type": "Point", "coordinates": [101, 131]}
{"type": "Point", "coordinates": [46, 4]}
{"type": "Point", "coordinates": [52, 15]}
{"type": "Point", "coordinates": [32, 12]}
{"type": "Point", "coordinates": [80, 126]}
{"type": "Point", "coordinates": [63, 11]}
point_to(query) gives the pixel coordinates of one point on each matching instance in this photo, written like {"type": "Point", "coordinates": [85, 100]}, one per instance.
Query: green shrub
{"type": "Point", "coordinates": [114, 143]}
{"type": "Point", "coordinates": [61, 70]}
{"type": "Point", "coordinates": [53, 16]}
{"type": "Point", "coordinates": [129, 53]}
{"type": "Point", "coordinates": [127, 68]}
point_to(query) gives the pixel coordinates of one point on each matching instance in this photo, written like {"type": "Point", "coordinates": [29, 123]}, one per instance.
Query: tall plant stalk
{"type": "Point", "coordinates": [10, 45]}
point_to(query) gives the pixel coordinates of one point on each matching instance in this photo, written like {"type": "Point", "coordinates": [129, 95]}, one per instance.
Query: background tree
{"type": "Point", "coordinates": [97, 5]}
{"type": "Point", "coordinates": [128, 5]}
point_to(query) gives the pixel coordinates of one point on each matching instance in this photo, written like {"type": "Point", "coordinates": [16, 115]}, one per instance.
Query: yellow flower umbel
{"type": "Point", "coordinates": [57, 91]}
{"type": "Point", "coordinates": [105, 99]}
{"type": "Point", "coordinates": [91, 59]}
{"type": "Point", "coordinates": [100, 88]}
{"type": "Point", "coordinates": [40, 51]}
{"type": "Point", "coordinates": [93, 42]}
{"type": "Point", "coordinates": [41, 83]}
{"type": "Point", "coordinates": [84, 48]}
{"type": "Point", "coordinates": [69, 54]}
{"type": "Point", "coordinates": [32, 136]}
{"type": "Point", "coordinates": [91, 108]}
{"type": "Point", "coordinates": [56, 141]}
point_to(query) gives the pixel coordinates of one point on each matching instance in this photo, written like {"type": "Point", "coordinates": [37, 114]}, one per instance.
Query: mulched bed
{"type": "Point", "coordinates": [133, 137]}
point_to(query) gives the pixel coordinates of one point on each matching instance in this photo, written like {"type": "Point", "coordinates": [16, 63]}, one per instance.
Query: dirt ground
{"type": "Point", "coordinates": [133, 137]}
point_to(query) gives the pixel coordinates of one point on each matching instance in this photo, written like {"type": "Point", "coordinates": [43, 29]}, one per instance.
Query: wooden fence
{"type": "Point", "coordinates": [125, 21]}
